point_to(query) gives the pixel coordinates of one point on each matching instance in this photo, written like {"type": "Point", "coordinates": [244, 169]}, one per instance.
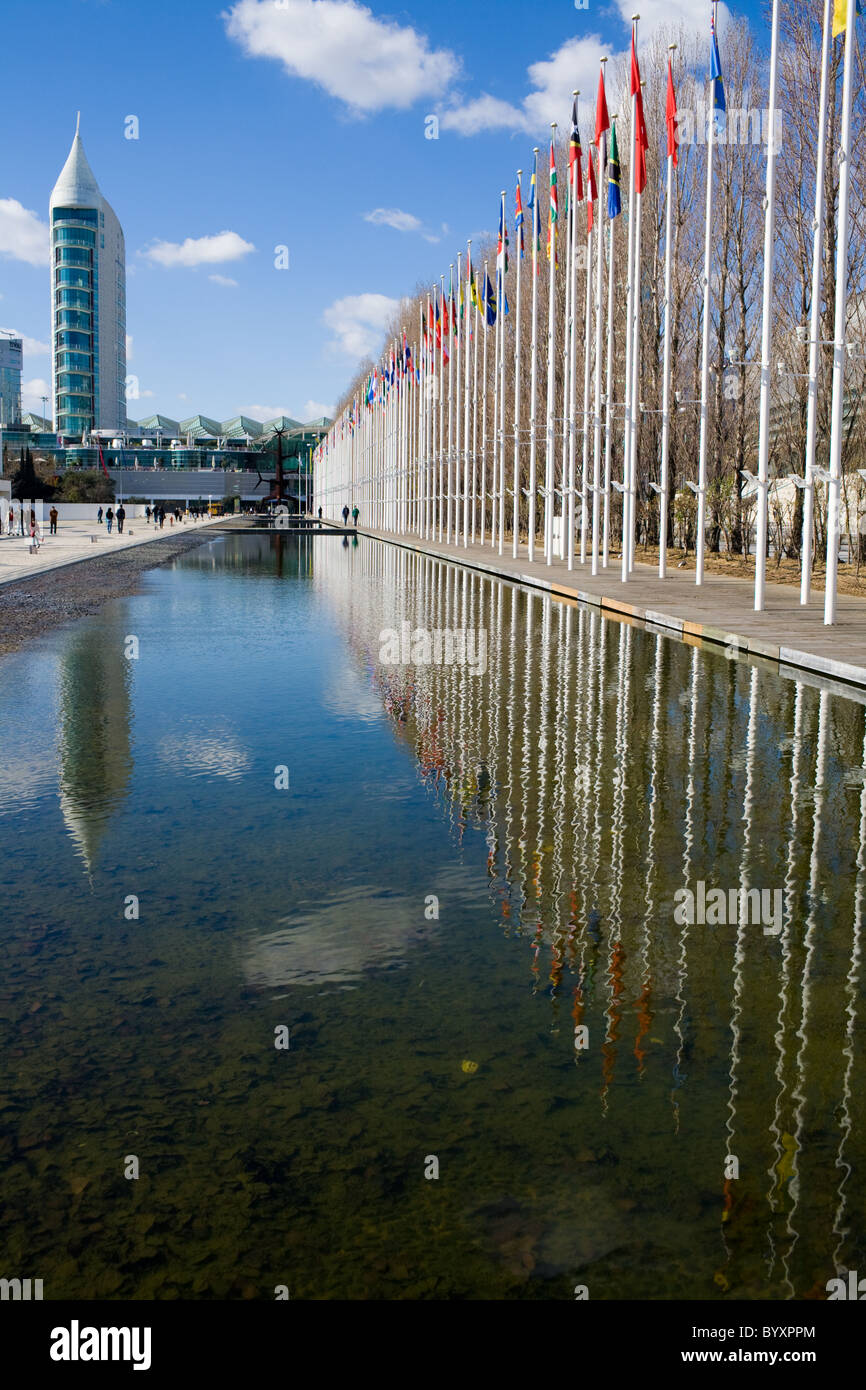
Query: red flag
{"type": "Point", "coordinates": [101, 459]}
{"type": "Point", "coordinates": [575, 161]}
{"type": "Point", "coordinates": [671, 116]}
{"type": "Point", "coordinates": [602, 119]}
{"type": "Point", "coordinates": [641, 137]}
{"type": "Point", "coordinates": [592, 191]}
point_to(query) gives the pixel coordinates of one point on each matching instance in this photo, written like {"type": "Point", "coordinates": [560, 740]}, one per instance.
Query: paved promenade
{"type": "Point", "coordinates": [74, 542]}
{"type": "Point", "coordinates": [720, 611]}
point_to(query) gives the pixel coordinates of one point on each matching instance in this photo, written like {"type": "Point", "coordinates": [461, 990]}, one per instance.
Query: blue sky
{"type": "Point", "coordinates": [296, 123]}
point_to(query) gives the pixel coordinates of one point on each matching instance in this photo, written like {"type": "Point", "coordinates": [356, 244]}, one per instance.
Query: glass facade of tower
{"type": "Point", "coordinates": [75, 268]}
{"type": "Point", "coordinates": [10, 380]}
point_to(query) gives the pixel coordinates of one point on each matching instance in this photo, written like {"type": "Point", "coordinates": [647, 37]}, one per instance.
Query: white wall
{"type": "Point", "coordinates": [86, 511]}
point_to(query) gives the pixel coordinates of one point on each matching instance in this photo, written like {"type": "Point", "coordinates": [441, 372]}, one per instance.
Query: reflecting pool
{"type": "Point", "coordinates": [460, 978]}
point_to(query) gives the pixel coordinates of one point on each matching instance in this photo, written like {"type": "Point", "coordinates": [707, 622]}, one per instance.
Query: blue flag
{"type": "Point", "coordinates": [614, 199]}
{"type": "Point", "coordinates": [489, 302]}
{"type": "Point", "coordinates": [719, 105]}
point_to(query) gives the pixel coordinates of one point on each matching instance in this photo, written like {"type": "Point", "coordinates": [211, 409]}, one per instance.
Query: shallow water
{"type": "Point", "coordinates": [705, 1142]}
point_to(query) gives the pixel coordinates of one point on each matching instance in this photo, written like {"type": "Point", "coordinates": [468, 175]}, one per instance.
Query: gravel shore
{"type": "Point", "coordinates": [29, 607]}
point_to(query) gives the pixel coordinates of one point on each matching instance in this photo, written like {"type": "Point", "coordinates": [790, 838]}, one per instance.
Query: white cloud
{"type": "Point", "coordinates": [129, 347]}
{"type": "Point", "coordinates": [671, 14]}
{"type": "Point", "coordinates": [32, 392]}
{"type": "Point", "coordinates": [182, 396]}
{"type": "Point", "coordinates": [225, 280]}
{"type": "Point", "coordinates": [553, 79]}
{"type": "Point", "coordinates": [401, 222]}
{"type": "Point", "coordinates": [266, 412]}
{"type": "Point", "coordinates": [22, 236]}
{"type": "Point", "coordinates": [368, 63]}
{"type": "Point", "coordinates": [358, 322]}
{"type": "Point", "coordinates": [393, 217]}
{"type": "Point", "coordinates": [202, 250]}
{"type": "Point", "coordinates": [215, 753]}
{"type": "Point", "coordinates": [575, 65]}
{"type": "Point", "coordinates": [310, 411]}
{"type": "Point", "coordinates": [32, 346]}
{"type": "Point", "coordinates": [483, 113]}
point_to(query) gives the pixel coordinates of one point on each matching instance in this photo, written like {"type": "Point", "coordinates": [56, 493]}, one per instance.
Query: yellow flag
{"type": "Point", "coordinates": [840, 16]}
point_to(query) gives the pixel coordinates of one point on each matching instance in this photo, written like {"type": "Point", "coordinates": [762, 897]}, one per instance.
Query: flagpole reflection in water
{"type": "Point", "coordinates": [852, 993]}
{"type": "Point", "coordinates": [810, 944]}
{"type": "Point", "coordinates": [780, 1149]}
{"type": "Point", "coordinates": [561, 824]}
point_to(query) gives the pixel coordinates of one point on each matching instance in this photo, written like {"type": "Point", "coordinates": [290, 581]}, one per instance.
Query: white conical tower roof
{"type": "Point", "coordinates": [77, 186]}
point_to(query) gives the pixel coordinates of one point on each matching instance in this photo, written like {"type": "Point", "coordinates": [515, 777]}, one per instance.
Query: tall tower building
{"type": "Point", "coordinates": [88, 303]}
{"type": "Point", "coordinates": [10, 378]}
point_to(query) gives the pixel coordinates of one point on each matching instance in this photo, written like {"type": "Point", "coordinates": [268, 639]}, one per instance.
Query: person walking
{"type": "Point", "coordinates": [147, 515]}
{"type": "Point", "coordinates": [52, 518]}
{"type": "Point", "coordinates": [355, 515]}
{"type": "Point", "coordinates": [121, 517]}
{"type": "Point", "coordinates": [109, 517]}
{"type": "Point", "coordinates": [161, 517]}
{"type": "Point", "coordinates": [99, 516]}
{"type": "Point", "coordinates": [346, 515]}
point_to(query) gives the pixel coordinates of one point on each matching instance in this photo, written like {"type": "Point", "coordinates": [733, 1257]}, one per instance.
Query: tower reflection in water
{"type": "Point", "coordinates": [608, 767]}
{"type": "Point", "coordinates": [95, 745]}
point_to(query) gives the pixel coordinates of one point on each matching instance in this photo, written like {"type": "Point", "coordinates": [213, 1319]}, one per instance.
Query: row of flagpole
{"type": "Point", "coordinates": [409, 452]}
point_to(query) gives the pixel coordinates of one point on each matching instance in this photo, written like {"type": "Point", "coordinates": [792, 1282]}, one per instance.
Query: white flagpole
{"type": "Point", "coordinates": [405, 441]}
{"type": "Point", "coordinates": [406, 518]}
{"type": "Point", "coordinates": [393, 447]}
{"type": "Point", "coordinates": [608, 427]}
{"type": "Point", "coordinates": [420, 442]}
{"type": "Point", "coordinates": [424, 431]}
{"type": "Point", "coordinates": [705, 351]}
{"type": "Point", "coordinates": [568, 324]}
{"type": "Point", "coordinates": [572, 369]}
{"type": "Point", "coordinates": [475, 424]}
{"type": "Point", "coordinates": [533, 423]}
{"type": "Point", "coordinates": [767, 325]}
{"type": "Point", "coordinates": [392, 480]}
{"type": "Point", "coordinates": [501, 308]}
{"type": "Point", "coordinates": [494, 462]}
{"type": "Point", "coordinates": [450, 494]}
{"type": "Point", "coordinates": [467, 343]}
{"type": "Point", "coordinates": [441, 384]}
{"type": "Point", "coordinates": [845, 158]}
{"type": "Point", "coordinates": [635, 391]}
{"type": "Point", "coordinates": [431, 427]}
{"type": "Point", "coordinates": [484, 417]}
{"type": "Point", "coordinates": [666, 382]}
{"type": "Point", "coordinates": [599, 256]}
{"type": "Point", "coordinates": [385, 454]}
{"type": "Point", "coordinates": [630, 404]}
{"type": "Point", "coordinates": [587, 354]}
{"type": "Point", "coordinates": [515, 523]}
{"type": "Point", "coordinates": [815, 317]}
{"type": "Point", "coordinates": [402, 440]}
{"type": "Point", "coordinates": [458, 442]}
{"type": "Point", "coordinates": [549, 460]}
